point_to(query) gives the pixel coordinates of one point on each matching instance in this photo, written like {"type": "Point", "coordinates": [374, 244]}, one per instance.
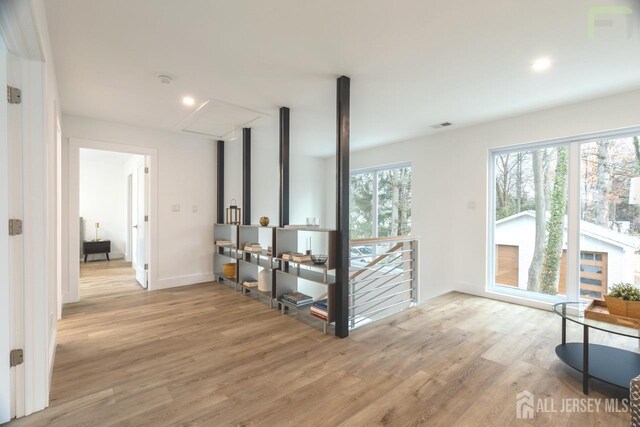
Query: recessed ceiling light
{"type": "Point", "coordinates": [165, 79]}
{"type": "Point", "coordinates": [541, 64]}
{"type": "Point", "coordinates": [187, 100]}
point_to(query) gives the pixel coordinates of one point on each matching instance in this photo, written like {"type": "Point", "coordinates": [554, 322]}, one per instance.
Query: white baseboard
{"type": "Point", "coordinates": [67, 298]}
{"type": "Point", "coordinates": [192, 279]}
{"type": "Point", "coordinates": [52, 355]}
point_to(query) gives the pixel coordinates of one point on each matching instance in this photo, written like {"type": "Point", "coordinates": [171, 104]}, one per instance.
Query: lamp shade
{"type": "Point", "coordinates": [634, 191]}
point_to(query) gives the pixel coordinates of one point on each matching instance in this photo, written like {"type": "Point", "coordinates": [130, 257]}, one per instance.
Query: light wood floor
{"type": "Point", "coordinates": [205, 355]}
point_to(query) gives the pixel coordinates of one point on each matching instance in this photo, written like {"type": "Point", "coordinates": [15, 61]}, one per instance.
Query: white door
{"type": "Point", "coordinates": [140, 253]}
{"type": "Point", "coordinates": [7, 392]}
{"type": "Point", "coordinates": [11, 247]}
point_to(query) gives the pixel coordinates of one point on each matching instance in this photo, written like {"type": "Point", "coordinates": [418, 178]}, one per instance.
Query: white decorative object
{"type": "Point", "coordinates": [264, 281]}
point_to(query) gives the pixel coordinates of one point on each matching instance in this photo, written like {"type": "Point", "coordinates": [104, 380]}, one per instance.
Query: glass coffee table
{"type": "Point", "coordinates": [609, 364]}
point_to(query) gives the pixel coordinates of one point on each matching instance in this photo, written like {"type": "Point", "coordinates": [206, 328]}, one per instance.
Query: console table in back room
{"type": "Point", "coordinates": [90, 247]}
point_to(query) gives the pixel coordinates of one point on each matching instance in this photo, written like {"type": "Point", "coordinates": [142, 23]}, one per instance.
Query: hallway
{"type": "Point", "coordinates": [206, 355]}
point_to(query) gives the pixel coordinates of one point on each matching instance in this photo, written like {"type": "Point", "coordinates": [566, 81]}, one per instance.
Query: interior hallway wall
{"type": "Point", "coordinates": [186, 178]}
{"type": "Point", "coordinates": [307, 177]}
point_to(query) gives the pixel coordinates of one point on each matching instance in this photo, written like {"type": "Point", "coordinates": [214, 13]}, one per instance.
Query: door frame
{"type": "Point", "coordinates": [72, 291]}
{"type": "Point", "coordinates": [128, 256]}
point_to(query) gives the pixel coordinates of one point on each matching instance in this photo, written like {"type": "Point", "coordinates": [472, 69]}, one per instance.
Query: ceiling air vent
{"type": "Point", "coordinates": [441, 125]}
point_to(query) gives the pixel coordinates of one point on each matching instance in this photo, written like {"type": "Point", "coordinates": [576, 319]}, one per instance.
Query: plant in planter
{"type": "Point", "coordinates": [624, 300]}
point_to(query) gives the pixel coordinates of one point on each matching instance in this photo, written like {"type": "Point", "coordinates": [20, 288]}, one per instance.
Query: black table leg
{"type": "Point", "coordinates": [564, 325]}
{"type": "Point", "coordinates": [108, 257]}
{"type": "Point", "coordinates": [85, 258]}
{"type": "Point", "coordinates": [585, 361]}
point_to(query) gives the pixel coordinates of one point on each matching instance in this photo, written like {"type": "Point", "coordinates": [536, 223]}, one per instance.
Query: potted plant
{"type": "Point", "coordinates": [624, 300]}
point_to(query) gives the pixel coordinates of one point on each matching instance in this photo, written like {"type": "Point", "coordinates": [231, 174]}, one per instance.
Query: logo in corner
{"type": "Point", "coordinates": [610, 22]}
{"type": "Point", "coordinates": [525, 406]}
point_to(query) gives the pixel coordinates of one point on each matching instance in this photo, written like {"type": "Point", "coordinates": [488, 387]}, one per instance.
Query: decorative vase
{"type": "Point", "coordinates": [264, 221]}
{"type": "Point", "coordinates": [229, 270]}
{"type": "Point", "coordinates": [264, 281]}
{"type": "Point", "coordinates": [620, 307]}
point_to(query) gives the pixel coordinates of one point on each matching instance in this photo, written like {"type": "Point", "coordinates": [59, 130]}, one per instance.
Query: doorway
{"type": "Point", "coordinates": [104, 207]}
{"type": "Point", "coordinates": [112, 199]}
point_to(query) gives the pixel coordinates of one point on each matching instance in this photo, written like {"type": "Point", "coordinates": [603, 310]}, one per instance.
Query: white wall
{"type": "Point", "coordinates": [103, 197]}
{"type": "Point", "coordinates": [307, 178]}
{"type": "Point", "coordinates": [450, 172]}
{"type": "Point", "coordinates": [186, 176]}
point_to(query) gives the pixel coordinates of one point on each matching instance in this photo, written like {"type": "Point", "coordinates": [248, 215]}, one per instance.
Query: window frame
{"type": "Point", "coordinates": [573, 145]}
{"type": "Point", "coordinates": [374, 170]}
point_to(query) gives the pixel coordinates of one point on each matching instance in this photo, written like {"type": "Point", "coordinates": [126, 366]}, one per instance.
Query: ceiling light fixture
{"type": "Point", "coordinates": [189, 101]}
{"type": "Point", "coordinates": [541, 64]}
{"type": "Point", "coordinates": [165, 79]}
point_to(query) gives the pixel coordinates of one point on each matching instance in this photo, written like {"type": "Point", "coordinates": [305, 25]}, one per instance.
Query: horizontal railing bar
{"type": "Point", "coordinates": [386, 253]}
{"type": "Point", "coordinates": [359, 293]}
{"type": "Point", "coordinates": [355, 282]}
{"type": "Point", "coordinates": [362, 242]}
{"type": "Point", "coordinates": [389, 264]}
{"type": "Point", "coordinates": [385, 297]}
{"type": "Point", "coordinates": [370, 273]}
{"type": "Point", "coordinates": [381, 276]}
{"type": "Point", "coordinates": [386, 307]}
{"type": "Point", "coordinates": [377, 260]}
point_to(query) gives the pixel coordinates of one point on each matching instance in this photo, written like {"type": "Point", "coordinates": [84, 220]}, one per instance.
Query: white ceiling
{"type": "Point", "coordinates": [413, 63]}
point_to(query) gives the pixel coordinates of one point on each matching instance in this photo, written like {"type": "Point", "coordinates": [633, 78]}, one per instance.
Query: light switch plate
{"type": "Point", "coordinates": [175, 208]}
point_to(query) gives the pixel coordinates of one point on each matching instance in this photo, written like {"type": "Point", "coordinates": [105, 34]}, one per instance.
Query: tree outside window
{"type": "Point", "coordinates": [380, 203]}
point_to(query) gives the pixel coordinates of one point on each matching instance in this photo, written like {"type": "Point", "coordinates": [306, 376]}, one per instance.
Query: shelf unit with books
{"type": "Point", "coordinates": [257, 253]}
{"type": "Point", "coordinates": [225, 237]}
{"type": "Point", "coordinates": [317, 281]}
{"type": "Point", "coordinates": [257, 264]}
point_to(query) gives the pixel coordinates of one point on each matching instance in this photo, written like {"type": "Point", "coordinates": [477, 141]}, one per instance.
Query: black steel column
{"type": "Point", "coordinates": [342, 208]}
{"type": "Point", "coordinates": [220, 184]}
{"type": "Point", "coordinates": [284, 166]}
{"type": "Point", "coordinates": [246, 176]}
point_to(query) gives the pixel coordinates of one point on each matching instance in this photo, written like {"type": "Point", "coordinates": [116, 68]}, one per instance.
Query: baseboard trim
{"type": "Point", "coordinates": [67, 298]}
{"type": "Point", "coordinates": [192, 279]}
{"type": "Point", "coordinates": [52, 357]}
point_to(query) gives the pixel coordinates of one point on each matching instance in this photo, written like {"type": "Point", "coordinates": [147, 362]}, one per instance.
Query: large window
{"type": "Point", "coordinates": [562, 223]}
{"type": "Point", "coordinates": [380, 203]}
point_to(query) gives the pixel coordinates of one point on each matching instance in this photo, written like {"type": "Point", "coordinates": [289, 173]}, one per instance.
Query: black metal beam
{"type": "Point", "coordinates": [284, 166]}
{"type": "Point", "coordinates": [342, 207]}
{"type": "Point", "coordinates": [220, 183]}
{"type": "Point", "coordinates": [246, 176]}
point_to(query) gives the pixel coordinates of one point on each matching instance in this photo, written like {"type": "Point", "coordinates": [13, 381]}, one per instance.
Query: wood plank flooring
{"type": "Point", "coordinates": [206, 355]}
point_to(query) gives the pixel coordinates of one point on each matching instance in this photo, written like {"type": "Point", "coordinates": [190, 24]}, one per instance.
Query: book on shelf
{"type": "Point", "coordinates": [322, 304]}
{"type": "Point", "coordinates": [250, 284]}
{"type": "Point", "coordinates": [253, 247]}
{"type": "Point", "coordinates": [296, 257]}
{"type": "Point", "coordinates": [223, 242]}
{"type": "Point", "coordinates": [297, 298]}
{"type": "Point", "coordinates": [319, 316]}
{"type": "Point", "coordinates": [320, 311]}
